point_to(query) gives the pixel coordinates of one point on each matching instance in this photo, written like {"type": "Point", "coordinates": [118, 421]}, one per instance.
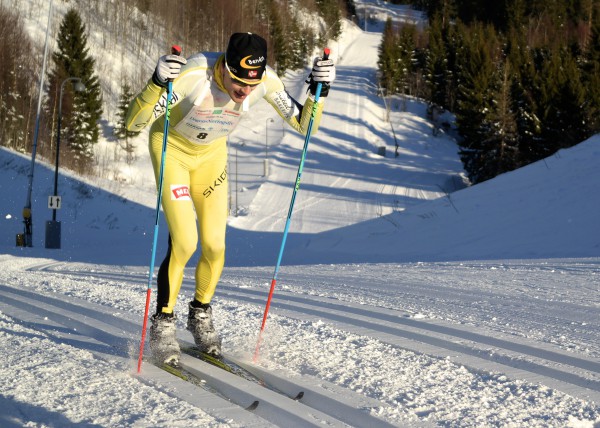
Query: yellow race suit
{"type": "Point", "coordinates": [195, 170]}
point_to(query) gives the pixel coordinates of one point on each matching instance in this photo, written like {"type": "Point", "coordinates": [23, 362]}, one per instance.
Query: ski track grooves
{"type": "Point", "coordinates": [542, 363]}
{"type": "Point", "coordinates": [95, 328]}
{"type": "Point", "coordinates": [474, 350]}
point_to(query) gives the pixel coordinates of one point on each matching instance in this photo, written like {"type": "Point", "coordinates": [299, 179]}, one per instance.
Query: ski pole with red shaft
{"type": "Point", "coordinates": [326, 52]}
{"type": "Point", "coordinates": [175, 50]}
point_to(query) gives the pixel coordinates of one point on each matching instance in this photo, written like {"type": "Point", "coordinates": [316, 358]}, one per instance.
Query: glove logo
{"type": "Point", "coordinates": [248, 63]}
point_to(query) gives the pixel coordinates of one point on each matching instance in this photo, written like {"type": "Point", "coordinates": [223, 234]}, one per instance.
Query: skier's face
{"type": "Point", "coordinates": [237, 90]}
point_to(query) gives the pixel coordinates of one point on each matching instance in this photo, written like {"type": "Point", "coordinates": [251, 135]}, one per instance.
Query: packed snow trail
{"type": "Point", "coordinates": [343, 170]}
{"type": "Point", "coordinates": [108, 337]}
{"type": "Point", "coordinates": [422, 345]}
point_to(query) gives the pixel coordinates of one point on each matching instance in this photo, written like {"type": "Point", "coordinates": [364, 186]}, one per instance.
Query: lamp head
{"type": "Point", "coordinates": [79, 86]}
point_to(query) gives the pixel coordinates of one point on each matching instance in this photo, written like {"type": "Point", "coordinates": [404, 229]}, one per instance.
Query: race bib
{"type": "Point", "coordinates": [203, 125]}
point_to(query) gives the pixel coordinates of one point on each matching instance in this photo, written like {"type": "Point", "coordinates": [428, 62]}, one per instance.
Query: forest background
{"type": "Point", "coordinates": [522, 78]}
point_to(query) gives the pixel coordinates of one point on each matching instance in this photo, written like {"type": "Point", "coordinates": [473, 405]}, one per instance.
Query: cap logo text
{"type": "Point", "coordinates": [249, 63]}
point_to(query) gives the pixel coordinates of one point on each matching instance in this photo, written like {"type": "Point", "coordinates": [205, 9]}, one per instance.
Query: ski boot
{"type": "Point", "coordinates": [200, 324]}
{"type": "Point", "coordinates": [163, 339]}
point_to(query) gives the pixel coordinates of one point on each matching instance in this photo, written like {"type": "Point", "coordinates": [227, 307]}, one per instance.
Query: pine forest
{"type": "Point", "coordinates": [520, 78]}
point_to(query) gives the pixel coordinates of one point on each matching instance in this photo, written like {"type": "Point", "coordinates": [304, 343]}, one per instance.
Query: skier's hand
{"type": "Point", "coordinates": [168, 68]}
{"type": "Point", "coordinates": [323, 72]}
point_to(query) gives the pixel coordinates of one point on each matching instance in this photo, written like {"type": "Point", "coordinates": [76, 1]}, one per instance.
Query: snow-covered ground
{"type": "Point", "coordinates": [434, 304]}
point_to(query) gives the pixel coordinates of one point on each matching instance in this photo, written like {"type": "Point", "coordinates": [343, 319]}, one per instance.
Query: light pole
{"type": "Point", "coordinates": [53, 226]}
{"type": "Point", "coordinates": [266, 162]}
{"type": "Point", "coordinates": [25, 239]}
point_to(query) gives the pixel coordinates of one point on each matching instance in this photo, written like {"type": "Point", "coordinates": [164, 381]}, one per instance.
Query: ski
{"type": "Point", "coordinates": [180, 372]}
{"type": "Point", "coordinates": [226, 364]}
{"type": "Point", "coordinates": [174, 370]}
{"type": "Point", "coordinates": [183, 374]}
{"type": "Point", "coordinates": [222, 363]}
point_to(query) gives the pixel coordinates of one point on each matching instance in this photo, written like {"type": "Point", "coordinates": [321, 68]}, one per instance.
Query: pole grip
{"type": "Point", "coordinates": [326, 53]}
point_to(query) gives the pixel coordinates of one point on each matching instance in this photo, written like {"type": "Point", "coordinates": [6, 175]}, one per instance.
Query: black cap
{"type": "Point", "coordinates": [246, 56]}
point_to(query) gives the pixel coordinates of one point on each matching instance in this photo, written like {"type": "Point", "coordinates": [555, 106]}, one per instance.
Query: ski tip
{"type": "Point", "coordinates": [253, 406]}
{"type": "Point", "coordinates": [299, 396]}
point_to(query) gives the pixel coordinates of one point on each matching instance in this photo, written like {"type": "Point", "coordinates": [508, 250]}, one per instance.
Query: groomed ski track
{"type": "Point", "coordinates": [111, 338]}
{"type": "Point", "coordinates": [109, 335]}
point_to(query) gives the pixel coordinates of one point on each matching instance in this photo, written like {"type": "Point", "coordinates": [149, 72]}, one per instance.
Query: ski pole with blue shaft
{"type": "Point", "coordinates": [175, 50]}
{"type": "Point", "coordinates": [326, 52]}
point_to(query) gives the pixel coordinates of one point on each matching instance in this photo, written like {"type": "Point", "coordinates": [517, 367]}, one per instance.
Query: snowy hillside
{"type": "Point", "coordinates": [404, 298]}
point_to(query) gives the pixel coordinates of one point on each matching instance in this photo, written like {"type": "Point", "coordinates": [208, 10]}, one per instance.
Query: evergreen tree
{"type": "Point", "coordinates": [301, 45]}
{"type": "Point", "coordinates": [562, 98]}
{"type": "Point", "coordinates": [331, 14]}
{"type": "Point", "coordinates": [437, 73]}
{"type": "Point", "coordinates": [278, 39]}
{"type": "Point", "coordinates": [388, 59]}
{"type": "Point", "coordinates": [80, 111]}
{"type": "Point", "coordinates": [516, 19]}
{"type": "Point", "coordinates": [500, 151]}
{"type": "Point", "coordinates": [478, 83]}
{"type": "Point", "coordinates": [291, 53]}
{"type": "Point", "coordinates": [469, 11]}
{"type": "Point", "coordinates": [406, 59]}
{"type": "Point", "coordinates": [454, 46]}
{"type": "Point", "coordinates": [446, 9]}
{"type": "Point", "coordinates": [541, 95]}
{"type": "Point", "coordinates": [525, 94]}
{"type": "Point", "coordinates": [123, 135]}
{"type": "Point", "coordinates": [591, 80]}
{"type": "Point", "coordinates": [18, 89]}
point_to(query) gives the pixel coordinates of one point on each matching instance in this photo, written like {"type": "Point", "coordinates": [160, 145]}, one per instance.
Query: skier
{"type": "Point", "coordinates": [211, 93]}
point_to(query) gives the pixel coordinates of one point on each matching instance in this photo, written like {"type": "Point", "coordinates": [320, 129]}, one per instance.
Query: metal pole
{"type": "Point", "coordinates": [269, 120]}
{"type": "Point", "coordinates": [175, 50]}
{"type": "Point", "coordinates": [236, 178]}
{"type": "Point", "coordinates": [28, 235]}
{"type": "Point", "coordinates": [229, 186]}
{"type": "Point", "coordinates": [57, 153]}
{"type": "Point", "coordinates": [290, 210]}
{"type": "Point", "coordinates": [62, 87]}
{"type": "Point", "coordinates": [266, 162]}
{"type": "Point", "coordinates": [53, 227]}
